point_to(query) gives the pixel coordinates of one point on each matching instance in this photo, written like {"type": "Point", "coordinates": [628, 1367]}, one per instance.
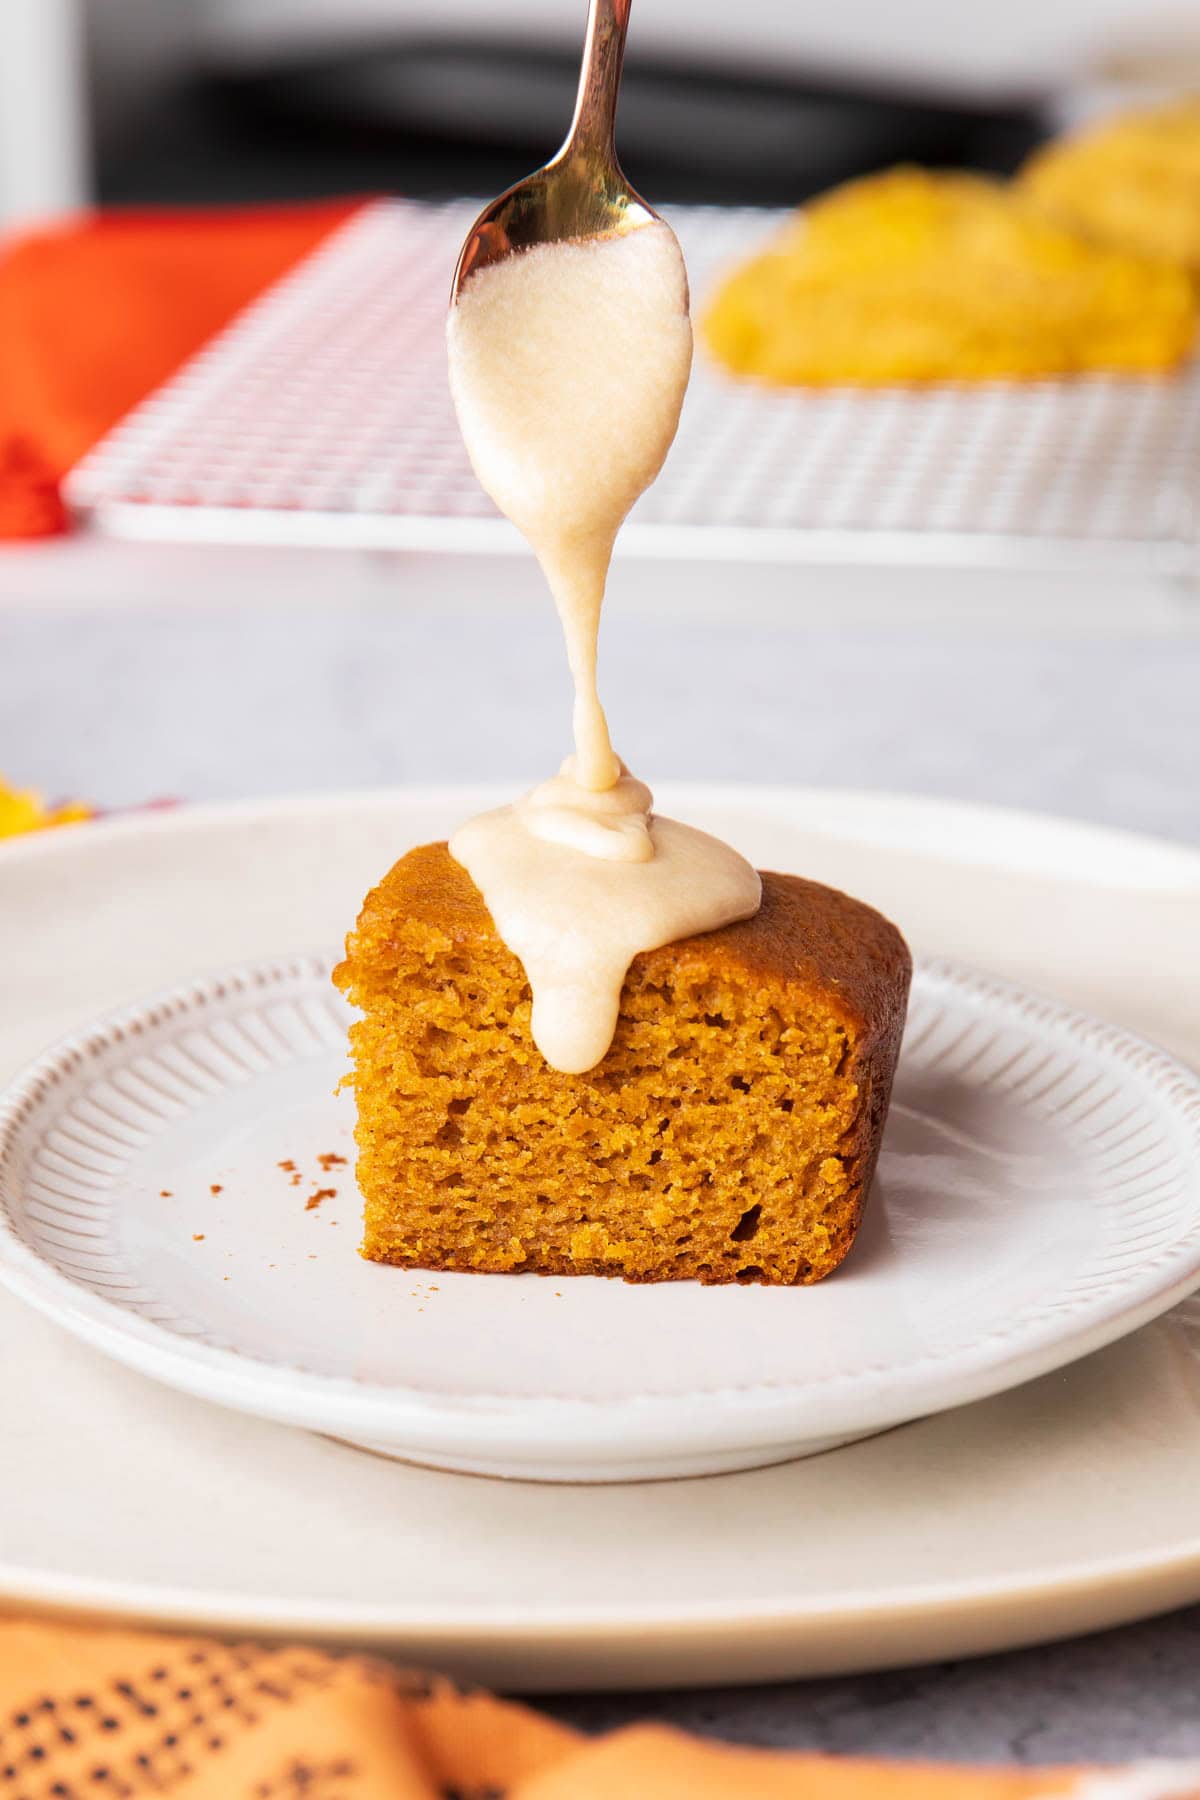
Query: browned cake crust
{"type": "Point", "coordinates": [730, 1133]}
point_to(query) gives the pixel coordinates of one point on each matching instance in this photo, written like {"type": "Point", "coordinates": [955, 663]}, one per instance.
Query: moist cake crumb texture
{"type": "Point", "coordinates": [730, 1133]}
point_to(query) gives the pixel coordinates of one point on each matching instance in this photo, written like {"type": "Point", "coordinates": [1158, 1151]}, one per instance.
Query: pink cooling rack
{"type": "Point", "coordinates": [321, 415]}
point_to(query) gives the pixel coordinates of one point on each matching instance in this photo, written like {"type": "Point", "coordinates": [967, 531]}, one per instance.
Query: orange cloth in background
{"type": "Point", "coordinates": [96, 313]}
{"type": "Point", "coordinates": [129, 1714]}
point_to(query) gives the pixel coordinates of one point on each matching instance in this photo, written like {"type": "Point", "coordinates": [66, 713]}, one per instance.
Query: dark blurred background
{"type": "Point", "coordinates": [763, 101]}
{"type": "Point", "coordinates": [439, 116]}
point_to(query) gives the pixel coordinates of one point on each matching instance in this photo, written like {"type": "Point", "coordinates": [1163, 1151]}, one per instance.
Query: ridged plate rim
{"type": "Point", "coordinates": [767, 1414]}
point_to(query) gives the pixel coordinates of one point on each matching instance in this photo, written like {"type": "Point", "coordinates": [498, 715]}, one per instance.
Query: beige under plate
{"type": "Point", "coordinates": [1062, 1505]}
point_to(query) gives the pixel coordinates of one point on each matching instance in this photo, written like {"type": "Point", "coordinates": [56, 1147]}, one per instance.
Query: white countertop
{"type": "Point", "coordinates": [129, 671]}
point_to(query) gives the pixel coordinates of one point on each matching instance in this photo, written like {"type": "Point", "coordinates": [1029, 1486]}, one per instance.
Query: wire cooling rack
{"type": "Point", "coordinates": [322, 415]}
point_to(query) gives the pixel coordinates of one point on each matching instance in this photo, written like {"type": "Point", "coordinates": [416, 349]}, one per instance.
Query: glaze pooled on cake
{"type": "Point", "coordinates": [578, 883]}
{"type": "Point", "coordinates": [568, 366]}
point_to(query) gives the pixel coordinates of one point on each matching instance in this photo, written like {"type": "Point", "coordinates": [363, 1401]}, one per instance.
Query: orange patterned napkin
{"type": "Point", "coordinates": [106, 1715]}
{"type": "Point", "coordinates": [95, 314]}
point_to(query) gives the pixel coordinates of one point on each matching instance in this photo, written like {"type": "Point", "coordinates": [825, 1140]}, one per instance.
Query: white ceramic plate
{"type": "Point", "coordinates": [1062, 1505]}
{"type": "Point", "coordinates": [176, 1188]}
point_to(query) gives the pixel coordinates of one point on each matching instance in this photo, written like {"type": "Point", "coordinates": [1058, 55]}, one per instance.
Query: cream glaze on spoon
{"type": "Point", "coordinates": [568, 367]}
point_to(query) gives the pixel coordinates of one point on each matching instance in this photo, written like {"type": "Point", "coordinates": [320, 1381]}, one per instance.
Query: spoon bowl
{"type": "Point", "coordinates": [582, 192]}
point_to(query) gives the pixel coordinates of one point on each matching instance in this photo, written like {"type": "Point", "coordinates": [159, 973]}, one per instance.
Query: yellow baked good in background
{"type": "Point", "coordinates": [911, 276]}
{"type": "Point", "coordinates": [1132, 181]}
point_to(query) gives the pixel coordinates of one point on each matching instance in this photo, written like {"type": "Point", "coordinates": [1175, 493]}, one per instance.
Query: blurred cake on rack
{"type": "Point", "coordinates": [1131, 181]}
{"type": "Point", "coordinates": [912, 276]}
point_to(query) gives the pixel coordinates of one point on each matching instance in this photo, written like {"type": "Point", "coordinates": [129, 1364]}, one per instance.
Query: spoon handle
{"type": "Point", "coordinates": [593, 128]}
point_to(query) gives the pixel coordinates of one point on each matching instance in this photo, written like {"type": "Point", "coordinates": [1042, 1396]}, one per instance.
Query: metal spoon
{"type": "Point", "coordinates": [581, 193]}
